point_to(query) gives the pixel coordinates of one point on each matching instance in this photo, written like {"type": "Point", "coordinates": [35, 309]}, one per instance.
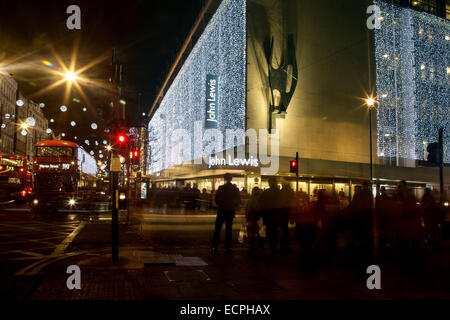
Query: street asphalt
{"type": "Point", "coordinates": [164, 256]}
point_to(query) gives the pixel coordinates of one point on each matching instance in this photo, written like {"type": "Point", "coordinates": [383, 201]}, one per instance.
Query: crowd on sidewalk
{"type": "Point", "coordinates": [396, 224]}
{"type": "Point", "coordinates": [189, 197]}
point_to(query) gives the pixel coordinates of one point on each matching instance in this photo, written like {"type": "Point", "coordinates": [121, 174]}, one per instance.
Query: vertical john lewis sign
{"type": "Point", "coordinates": [212, 102]}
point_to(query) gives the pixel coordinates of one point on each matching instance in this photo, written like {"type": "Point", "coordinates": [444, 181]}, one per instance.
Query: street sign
{"type": "Point", "coordinates": [115, 164]}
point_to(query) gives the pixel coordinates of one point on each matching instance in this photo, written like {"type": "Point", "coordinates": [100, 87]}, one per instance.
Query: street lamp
{"type": "Point", "coordinates": [70, 76]}
{"type": "Point", "coordinates": [370, 102]}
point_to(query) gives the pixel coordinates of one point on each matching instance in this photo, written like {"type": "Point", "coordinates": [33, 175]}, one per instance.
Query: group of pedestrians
{"type": "Point", "coordinates": [401, 223]}
{"type": "Point", "coordinates": [188, 197]}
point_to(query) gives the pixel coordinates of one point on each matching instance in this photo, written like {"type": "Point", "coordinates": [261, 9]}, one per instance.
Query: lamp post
{"type": "Point", "coordinates": [371, 104]}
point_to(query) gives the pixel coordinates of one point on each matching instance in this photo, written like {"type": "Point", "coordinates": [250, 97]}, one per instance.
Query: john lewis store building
{"type": "Point", "coordinates": [300, 71]}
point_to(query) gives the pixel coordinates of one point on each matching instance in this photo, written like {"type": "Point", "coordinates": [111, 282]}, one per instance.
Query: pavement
{"type": "Point", "coordinates": [164, 256]}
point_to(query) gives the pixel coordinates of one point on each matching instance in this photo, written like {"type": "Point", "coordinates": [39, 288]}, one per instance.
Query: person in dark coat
{"type": "Point", "coordinates": [287, 203]}
{"type": "Point", "coordinates": [228, 200]}
{"type": "Point", "coordinates": [383, 206]}
{"type": "Point", "coordinates": [430, 216]}
{"type": "Point", "coordinates": [253, 214]}
{"type": "Point", "coordinates": [362, 207]}
{"type": "Point", "coordinates": [270, 204]}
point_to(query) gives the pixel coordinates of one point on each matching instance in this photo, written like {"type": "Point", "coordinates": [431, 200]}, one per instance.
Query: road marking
{"type": "Point", "coordinates": [181, 215]}
{"type": "Point", "coordinates": [65, 243]}
{"type": "Point", "coordinates": [56, 255]}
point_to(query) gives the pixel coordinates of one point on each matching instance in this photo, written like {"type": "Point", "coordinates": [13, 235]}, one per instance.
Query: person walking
{"type": "Point", "coordinates": [270, 203]}
{"type": "Point", "coordinates": [383, 205]}
{"type": "Point", "coordinates": [228, 200]}
{"type": "Point", "coordinates": [252, 214]}
{"type": "Point", "coordinates": [286, 207]}
{"type": "Point", "coordinates": [361, 207]}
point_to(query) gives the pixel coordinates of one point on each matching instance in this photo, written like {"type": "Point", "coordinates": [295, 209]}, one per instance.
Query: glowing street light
{"type": "Point", "coordinates": [370, 102]}
{"type": "Point", "coordinates": [63, 108]}
{"type": "Point", "coordinates": [108, 147]}
{"type": "Point", "coordinates": [52, 120]}
{"type": "Point", "coordinates": [24, 125]}
{"type": "Point", "coordinates": [20, 102]}
{"type": "Point", "coordinates": [70, 76]}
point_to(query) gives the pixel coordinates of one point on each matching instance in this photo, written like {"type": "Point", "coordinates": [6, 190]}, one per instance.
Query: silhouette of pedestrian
{"type": "Point", "coordinates": [287, 199]}
{"type": "Point", "coordinates": [361, 207]}
{"type": "Point", "coordinates": [383, 206]}
{"type": "Point", "coordinates": [252, 215]}
{"type": "Point", "coordinates": [271, 207]}
{"type": "Point", "coordinates": [228, 201]}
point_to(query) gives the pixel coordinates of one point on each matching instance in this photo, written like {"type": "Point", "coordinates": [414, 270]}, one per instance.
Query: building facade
{"type": "Point", "coordinates": [301, 71]}
{"type": "Point", "coordinates": [8, 89]}
{"type": "Point", "coordinates": [15, 139]}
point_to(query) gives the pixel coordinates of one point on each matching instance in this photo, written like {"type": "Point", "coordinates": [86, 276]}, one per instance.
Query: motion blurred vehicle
{"type": "Point", "coordinates": [15, 179]}
{"type": "Point", "coordinates": [64, 176]}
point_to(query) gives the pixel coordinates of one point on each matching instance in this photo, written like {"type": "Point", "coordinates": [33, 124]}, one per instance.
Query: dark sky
{"type": "Point", "coordinates": [147, 35]}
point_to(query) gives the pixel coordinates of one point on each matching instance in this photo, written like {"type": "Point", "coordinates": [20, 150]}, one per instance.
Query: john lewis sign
{"type": "Point", "coordinates": [212, 102]}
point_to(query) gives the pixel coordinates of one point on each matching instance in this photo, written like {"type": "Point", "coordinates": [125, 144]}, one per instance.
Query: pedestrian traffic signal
{"type": "Point", "coordinates": [433, 153]}
{"type": "Point", "coordinates": [293, 166]}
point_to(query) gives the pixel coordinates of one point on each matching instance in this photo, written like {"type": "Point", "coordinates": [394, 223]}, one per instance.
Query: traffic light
{"type": "Point", "coordinates": [135, 156]}
{"type": "Point", "coordinates": [121, 140]}
{"type": "Point", "coordinates": [433, 153]}
{"type": "Point", "coordinates": [293, 166]}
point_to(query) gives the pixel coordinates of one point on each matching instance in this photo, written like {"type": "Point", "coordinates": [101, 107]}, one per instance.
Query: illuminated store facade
{"type": "Point", "coordinates": [303, 69]}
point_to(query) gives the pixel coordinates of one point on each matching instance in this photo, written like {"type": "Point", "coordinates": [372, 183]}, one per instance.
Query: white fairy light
{"type": "Point", "coordinates": [94, 126]}
{"type": "Point", "coordinates": [416, 85]}
{"type": "Point", "coordinates": [31, 121]}
{"type": "Point", "coordinates": [73, 123]}
{"type": "Point", "coordinates": [63, 108]}
{"type": "Point", "coordinates": [184, 103]}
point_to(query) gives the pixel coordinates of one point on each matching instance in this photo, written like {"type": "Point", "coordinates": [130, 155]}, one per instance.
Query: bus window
{"type": "Point", "coordinates": [66, 152]}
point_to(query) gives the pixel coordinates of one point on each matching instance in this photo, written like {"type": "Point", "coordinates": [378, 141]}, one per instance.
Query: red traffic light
{"type": "Point", "coordinates": [293, 166]}
{"type": "Point", "coordinates": [121, 139]}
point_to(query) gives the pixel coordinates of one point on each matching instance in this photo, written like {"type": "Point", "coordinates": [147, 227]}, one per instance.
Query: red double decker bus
{"type": "Point", "coordinates": [63, 172]}
{"type": "Point", "coordinates": [15, 179]}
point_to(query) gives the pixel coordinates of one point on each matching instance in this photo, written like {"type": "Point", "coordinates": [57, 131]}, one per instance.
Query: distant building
{"type": "Point", "coordinates": [17, 140]}
{"type": "Point", "coordinates": [8, 89]}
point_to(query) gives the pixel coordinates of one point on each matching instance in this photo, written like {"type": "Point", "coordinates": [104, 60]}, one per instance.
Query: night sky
{"type": "Point", "coordinates": [146, 34]}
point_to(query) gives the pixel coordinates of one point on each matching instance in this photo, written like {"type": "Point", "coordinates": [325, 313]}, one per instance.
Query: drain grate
{"type": "Point", "coordinates": [186, 275]}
